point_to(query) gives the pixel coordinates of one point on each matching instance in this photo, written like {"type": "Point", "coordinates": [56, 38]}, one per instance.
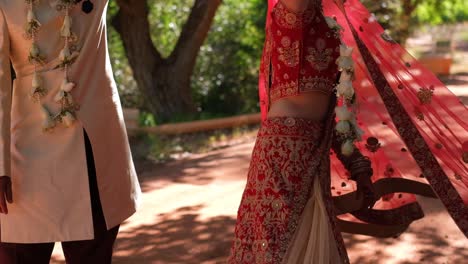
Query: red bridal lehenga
{"type": "Point", "coordinates": [299, 197]}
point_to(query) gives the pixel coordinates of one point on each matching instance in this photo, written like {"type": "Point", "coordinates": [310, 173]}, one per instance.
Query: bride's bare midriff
{"type": "Point", "coordinates": [313, 106]}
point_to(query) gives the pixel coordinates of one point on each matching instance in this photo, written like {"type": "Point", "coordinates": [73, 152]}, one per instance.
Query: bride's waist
{"type": "Point", "coordinates": [310, 106]}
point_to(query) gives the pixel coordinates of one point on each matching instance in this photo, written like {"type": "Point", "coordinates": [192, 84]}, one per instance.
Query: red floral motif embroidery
{"type": "Point", "coordinates": [317, 83]}
{"type": "Point", "coordinates": [418, 113]}
{"type": "Point", "coordinates": [283, 166]}
{"type": "Point", "coordinates": [425, 95]}
{"type": "Point", "coordinates": [284, 90]}
{"type": "Point", "coordinates": [320, 57]}
{"type": "Point", "coordinates": [292, 20]}
{"type": "Point", "coordinates": [300, 63]}
{"type": "Point", "coordinates": [289, 52]}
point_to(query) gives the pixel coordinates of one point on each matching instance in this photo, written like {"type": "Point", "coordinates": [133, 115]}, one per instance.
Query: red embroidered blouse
{"type": "Point", "coordinates": [301, 52]}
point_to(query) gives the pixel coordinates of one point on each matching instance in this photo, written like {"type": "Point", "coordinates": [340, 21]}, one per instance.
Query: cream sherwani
{"type": "Point", "coordinates": [49, 170]}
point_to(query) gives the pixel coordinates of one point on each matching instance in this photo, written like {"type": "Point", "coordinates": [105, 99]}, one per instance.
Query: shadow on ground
{"type": "Point", "coordinates": [177, 237]}
{"type": "Point", "coordinates": [458, 84]}
{"type": "Point", "coordinates": [182, 237]}
{"type": "Point", "coordinates": [459, 79]}
{"type": "Point", "coordinates": [196, 170]}
{"type": "Point", "coordinates": [432, 247]}
{"type": "Point", "coordinates": [435, 239]}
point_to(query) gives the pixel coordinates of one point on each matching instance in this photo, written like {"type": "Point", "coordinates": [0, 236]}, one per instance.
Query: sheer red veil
{"type": "Point", "coordinates": [415, 131]}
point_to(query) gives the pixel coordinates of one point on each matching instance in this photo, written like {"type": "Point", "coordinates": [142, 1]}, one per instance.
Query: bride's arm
{"type": "Point", "coordinates": [360, 169]}
{"type": "Point", "coordinates": [356, 163]}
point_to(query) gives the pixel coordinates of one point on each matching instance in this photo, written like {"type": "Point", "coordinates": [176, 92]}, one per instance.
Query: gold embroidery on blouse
{"type": "Point", "coordinates": [289, 52]}
{"type": "Point", "coordinates": [316, 83]}
{"type": "Point", "coordinates": [283, 90]}
{"type": "Point", "coordinates": [319, 57]}
{"type": "Point", "coordinates": [291, 20]}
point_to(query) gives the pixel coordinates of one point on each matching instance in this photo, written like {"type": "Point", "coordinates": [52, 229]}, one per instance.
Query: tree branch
{"type": "Point", "coordinates": [131, 22]}
{"type": "Point", "coordinates": [194, 33]}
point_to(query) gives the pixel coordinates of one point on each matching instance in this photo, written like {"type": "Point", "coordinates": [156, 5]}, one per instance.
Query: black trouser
{"type": "Point", "coordinates": [96, 251]}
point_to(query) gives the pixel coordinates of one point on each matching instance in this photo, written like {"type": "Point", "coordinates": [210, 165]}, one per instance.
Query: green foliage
{"type": "Point", "coordinates": [432, 12]}
{"type": "Point", "coordinates": [167, 18]}
{"type": "Point", "coordinates": [392, 16]}
{"type": "Point", "coordinates": [436, 12]}
{"type": "Point", "coordinates": [385, 10]}
{"type": "Point", "coordinates": [225, 78]}
{"type": "Point", "coordinates": [146, 120]}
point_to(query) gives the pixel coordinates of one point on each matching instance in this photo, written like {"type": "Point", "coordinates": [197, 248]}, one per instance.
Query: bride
{"type": "Point", "coordinates": [330, 78]}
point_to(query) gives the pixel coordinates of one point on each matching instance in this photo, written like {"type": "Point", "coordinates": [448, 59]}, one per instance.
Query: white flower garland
{"type": "Point", "coordinates": [67, 113]}
{"type": "Point", "coordinates": [347, 127]}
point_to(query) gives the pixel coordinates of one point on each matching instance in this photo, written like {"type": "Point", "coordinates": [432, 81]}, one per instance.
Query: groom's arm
{"type": "Point", "coordinates": [5, 111]}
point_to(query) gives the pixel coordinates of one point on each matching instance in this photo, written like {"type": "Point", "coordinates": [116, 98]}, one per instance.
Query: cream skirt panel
{"type": "Point", "coordinates": [313, 242]}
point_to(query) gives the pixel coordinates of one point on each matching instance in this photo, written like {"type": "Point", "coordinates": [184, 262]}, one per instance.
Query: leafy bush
{"type": "Point", "coordinates": [225, 79]}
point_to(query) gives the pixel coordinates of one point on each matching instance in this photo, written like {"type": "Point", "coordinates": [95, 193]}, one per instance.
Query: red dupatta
{"type": "Point", "coordinates": [415, 131]}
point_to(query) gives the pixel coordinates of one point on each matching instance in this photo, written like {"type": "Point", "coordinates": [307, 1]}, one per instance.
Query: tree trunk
{"type": "Point", "coordinates": [165, 82]}
{"type": "Point", "coordinates": [408, 8]}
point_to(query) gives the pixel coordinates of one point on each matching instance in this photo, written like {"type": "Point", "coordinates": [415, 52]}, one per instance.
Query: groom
{"type": "Point", "coordinates": [66, 171]}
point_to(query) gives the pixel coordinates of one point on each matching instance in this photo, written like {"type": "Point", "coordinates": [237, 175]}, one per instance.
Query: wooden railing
{"type": "Point", "coordinates": [131, 120]}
